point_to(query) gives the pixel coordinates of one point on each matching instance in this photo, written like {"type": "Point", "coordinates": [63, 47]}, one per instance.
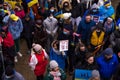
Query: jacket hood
{"type": "Point", "coordinates": [56, 51]}
{"type": "Point", "coordinates": [68, 1]}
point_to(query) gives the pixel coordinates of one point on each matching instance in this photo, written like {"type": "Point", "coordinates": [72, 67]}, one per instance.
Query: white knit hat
{"type": "Point", "coordinates": [67, 15]}
{"type": "Point", "coordinates": [53, 64]}
{"type": "Point", "coordinates": [95, 73]}
{"type": "Point", "coordinates": [36, 47]}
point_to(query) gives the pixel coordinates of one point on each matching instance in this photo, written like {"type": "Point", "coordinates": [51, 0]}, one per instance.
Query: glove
{"type": "Point", "coordinates": [58, 74]}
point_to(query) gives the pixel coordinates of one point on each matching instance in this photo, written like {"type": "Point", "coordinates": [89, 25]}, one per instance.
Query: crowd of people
{"type": "Point", "coordinates": [92, 28]}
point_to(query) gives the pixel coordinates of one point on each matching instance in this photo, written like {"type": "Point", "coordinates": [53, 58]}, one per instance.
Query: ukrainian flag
{"type": "Point", "coordinates": [31, 2]}
{"type": "Point", "coordinates": [59, 14]}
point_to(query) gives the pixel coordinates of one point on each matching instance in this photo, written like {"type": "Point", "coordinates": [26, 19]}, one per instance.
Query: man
{"type": "Point", "coordinates": [107, 64]}
{"type": "Point", "coordinates": [97, 37]}
{"type": "Point", "coordinates": [51, 27]}
{"type": "Point", "coordinates": [15, 27]}
{"type": "Point", "coordinates": [84, 28]}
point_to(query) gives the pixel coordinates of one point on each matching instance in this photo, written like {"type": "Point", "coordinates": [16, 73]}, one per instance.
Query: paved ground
{"type": "Point", "coordinates": [22, 65]}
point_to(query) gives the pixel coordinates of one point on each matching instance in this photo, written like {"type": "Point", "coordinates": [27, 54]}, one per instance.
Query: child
{"type": "Point", "coordinates": [95, 75]}
{"type": "Point", "coordinates": [55, 54]}
{"type": "Point", "coordinates": [54, 72]}
{"type": "Point", "coordinates": [38, 61]}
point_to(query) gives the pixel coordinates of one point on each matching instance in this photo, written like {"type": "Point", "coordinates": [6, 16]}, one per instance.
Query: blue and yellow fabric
{"type": "Point", "coordinates": [107, 10]}
{"type": "Point", "coordinates": [31, 2]}
{"type": "Point", "coordinates": [12, 3]}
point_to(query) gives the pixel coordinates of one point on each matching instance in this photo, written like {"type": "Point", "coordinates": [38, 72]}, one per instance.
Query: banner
{"type": "Point", "coordinates": [63, 45]}
{"type": "Point", "coordinates": [82, 74]}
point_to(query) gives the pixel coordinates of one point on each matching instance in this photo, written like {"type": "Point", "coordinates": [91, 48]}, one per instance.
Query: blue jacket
{"type": "Point", "coordinates": [107, 68]}
{"type": "Point", "coordinates": [15, 28]}
{"type": "Point", "coordinates": [85, 28]}
{"type": "Point", "coordinates": [106, 12]}
{"type": "Point", "coordinates": [59, 58]}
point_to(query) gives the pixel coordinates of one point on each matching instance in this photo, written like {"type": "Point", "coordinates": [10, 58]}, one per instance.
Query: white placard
{"type": "Point", "coordinates": [63, 45]}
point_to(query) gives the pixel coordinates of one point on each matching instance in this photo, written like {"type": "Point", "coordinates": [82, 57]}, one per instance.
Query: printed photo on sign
{"type": "Point", "coordinates": [63, 45]}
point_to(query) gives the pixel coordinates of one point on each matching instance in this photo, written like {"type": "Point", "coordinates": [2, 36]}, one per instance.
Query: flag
{"type": "Point", "coordinates": [59, 14]}
{"type": "Point", "coordinates": [31, 2]}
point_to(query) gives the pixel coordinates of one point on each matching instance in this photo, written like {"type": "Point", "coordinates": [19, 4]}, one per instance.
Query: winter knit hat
{"type": "Point", "coordinates": [107, 2]}
{"type": "Point", "coordinates": [108, 51]}
{"type": "Point", "coordinates": [95, 73]}
{"type": "Point", "coordinates": [53, 64]}
{"type": "Point", "coordinates": [36, 47]}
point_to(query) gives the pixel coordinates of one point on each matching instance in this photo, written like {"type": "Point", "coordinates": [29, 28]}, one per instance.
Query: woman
{"type": "Point", "coordinates": [55, 54]}
{"type": "Point", "coordinates": [80, 53]}
{"type": "Point", "coordinates": [19, 11]}
{"type": "Point", "coordinates": [89, 63]}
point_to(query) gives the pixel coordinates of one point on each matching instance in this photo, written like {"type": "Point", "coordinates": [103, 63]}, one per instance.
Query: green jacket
{"type": "Point", "coordinates": [48, 76]}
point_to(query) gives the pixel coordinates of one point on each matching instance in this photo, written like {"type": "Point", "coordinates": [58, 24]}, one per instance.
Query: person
{"type": "Point", "coordinates": [38, 61]}
{"type": "Point", "coordinates": [59, 57]}
{"type": "Point", "coordinates": [15, 27]}
{"type": "Point", "coordinates": [19, 11]}
{"type": "Point", "coordinates": [89, 64]}
{"type": "Point", "coordinates": [97, 38]}
{"type": "Point", "coordinates": [84, 28]}
{"type": "Point", "coordinates": [115, 40]}
{"type": "Point", "coordinates": [116, 75]}
{"type": "Point", "coordinates": [95, 75]}
{"type": "Point", "coordinates": [12, 74]}
{"type": "Point", "coordinates": [109, 27]}
{"type": "Point", "coordinates": [40, 34]}
{"type": "Point", "coordinates": [28, 31]}
{"type": "Point", "coordinates": [107, 64]}
{"type": "Point", "coordinates": [80, 52]}
{"type": "Point", "coordinates": [54, 72]}
{"type": "Point", "coordinates": [77, 12]}
{"type": "Point", "coordinates": [7, 6]}
{"type": "Point", "coordinates": [117, 12]}
{"type": "Point", "coordinates": [107, 10]}
{"type": "Point", "coordinates": [67, 34]}
{"type": "Point", "coordinates": [65, 6]}
{"type": "Point", "coordinates": [8, 46]}
{"type": "Point", "coordinates": [51, 27]}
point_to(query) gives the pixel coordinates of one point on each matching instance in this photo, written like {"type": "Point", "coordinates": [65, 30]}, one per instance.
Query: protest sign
{"type": "Point", "coordinates": [63, 45]}
{"type": "Point", "coordinates": [82, 74]}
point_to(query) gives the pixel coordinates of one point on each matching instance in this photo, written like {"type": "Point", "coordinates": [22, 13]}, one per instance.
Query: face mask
{"type": "Point", "coordinates": [51, 17]}
{"type": "Point", "coordinates": [107, 6]}
{"type": "Point", "coordinates": [97, 30]}
{"type": "Point", "coordinates": [52, 10]}
{"type": "Point", "coordinates": [65, 33]}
